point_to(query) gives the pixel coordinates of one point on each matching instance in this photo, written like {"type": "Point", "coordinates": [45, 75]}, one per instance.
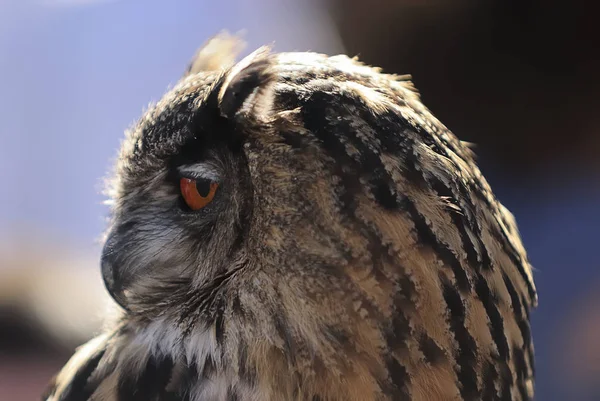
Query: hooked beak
{"type": "Point", "coordinates": [112, 276]}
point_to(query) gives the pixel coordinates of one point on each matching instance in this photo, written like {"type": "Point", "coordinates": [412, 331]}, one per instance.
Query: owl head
{"type": "Point", "coordinates": [305, 218]}
{"type": "Point", "coordinates": [183, 196]}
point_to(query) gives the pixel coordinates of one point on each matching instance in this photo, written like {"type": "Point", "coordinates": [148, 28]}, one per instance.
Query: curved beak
{"type": "Point", "coordinates": [112, 276]}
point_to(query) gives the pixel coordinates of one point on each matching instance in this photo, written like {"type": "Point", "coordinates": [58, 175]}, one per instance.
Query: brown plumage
{"type": "Point", "coordinates": [352, 250]}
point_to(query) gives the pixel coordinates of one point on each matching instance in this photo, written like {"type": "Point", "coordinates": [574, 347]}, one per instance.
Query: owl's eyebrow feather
{"type": "Point", "coordinates": [200, 170]}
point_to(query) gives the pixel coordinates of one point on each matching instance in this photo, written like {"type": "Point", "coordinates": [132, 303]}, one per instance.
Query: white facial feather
{"type": "Point", "coordinates": [201, 170]}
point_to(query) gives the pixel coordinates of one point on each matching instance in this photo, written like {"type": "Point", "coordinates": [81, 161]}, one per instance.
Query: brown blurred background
{"type": "Point", "coordinates": [517, 78]}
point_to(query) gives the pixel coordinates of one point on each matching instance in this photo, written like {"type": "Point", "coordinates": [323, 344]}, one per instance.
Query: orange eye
{"type": "Point", "coordinates": [197, 193]}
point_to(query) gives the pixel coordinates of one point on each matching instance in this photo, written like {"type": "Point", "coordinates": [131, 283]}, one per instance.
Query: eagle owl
{"type": "Point", "coordinates": [299, 227]}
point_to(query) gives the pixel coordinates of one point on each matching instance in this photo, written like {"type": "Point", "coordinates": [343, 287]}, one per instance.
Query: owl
{"type": "Point", "coordinates": [298, 227]}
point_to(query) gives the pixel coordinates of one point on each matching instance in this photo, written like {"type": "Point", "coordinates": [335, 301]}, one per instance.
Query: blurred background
{"type": "Point", "coordinates": [516, 77]}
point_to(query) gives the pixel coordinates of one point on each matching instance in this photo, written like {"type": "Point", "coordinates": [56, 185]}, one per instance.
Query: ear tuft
{"type": "Point", "coordinates": [218, 53]}
{"type": "Point", "coordinates": [246, 83]}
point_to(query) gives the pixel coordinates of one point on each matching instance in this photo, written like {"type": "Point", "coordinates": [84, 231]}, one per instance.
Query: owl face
{"type": "Point", "coordinates": [182, 199]}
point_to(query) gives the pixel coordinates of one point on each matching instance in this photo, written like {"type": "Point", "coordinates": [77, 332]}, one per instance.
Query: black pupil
{"type": "Point", "coordinates": [203, 187]}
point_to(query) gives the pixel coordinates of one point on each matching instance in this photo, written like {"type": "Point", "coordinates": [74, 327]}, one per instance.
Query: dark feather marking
{"type": "Point", "coordinates": [496, 322]}
{"type": "Point", "coordinates": [337, 334]}
{"type": "Point", "coordinates": [384, 195]}
{"type": "Point", "coordinates": [490, 377]}
{"type": "Point", "coordinates": [406, 298]}
{"type": "Point", "coordinates": [517, 308]}
{"type": "Point", "coordinates": [185, 385]}
{"type": "Point", "coordinates": [400, 380]}
{"type": "Point", "coordinates": [474, 258]}
{"type": "Point", "coordinates": [431, 350]}
{"type": "Point", "coordinates": [521, 370]}
{"type": "Point", "coordinates": [208, 368]}
{"type": "Point", "coordinates": [467, 347]}
{"type": "Point", "coordinates": [232, 394]}
{"type": "Point", "coordinates": [236, 305]}
{"type": "Point", "coordinates": [284, 332]}
{"type": "Point", "coordinates": [219, 310]}
{"type": "Point", "coordinates": [399, 330]}
{"type": "Point", "coordinates": [151, 382]}
{"type": "Point", "coordinates": [78, 388]}
{"type": "Point", "coordinates": [522, 320]}
{"type": "Point", "coordinates": [506, 381]}
{"type": "Point", "coordinates": [427, 236]}
{"type": "Point", "coordinates": [246, 210]}
{"type": "Point", "coordinates": [247, 372]}
{"type": "Point", "coordinates": [297, 142]}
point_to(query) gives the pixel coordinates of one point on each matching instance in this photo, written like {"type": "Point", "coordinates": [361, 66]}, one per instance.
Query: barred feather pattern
{"type": "Point", "coordinates": [358, 254]}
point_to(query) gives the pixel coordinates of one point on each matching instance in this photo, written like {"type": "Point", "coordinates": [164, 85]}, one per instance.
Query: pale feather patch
{"type": "Point", "coordinates": [81, 356]}
{"type": "Point", "coordinates": [201, 170]}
